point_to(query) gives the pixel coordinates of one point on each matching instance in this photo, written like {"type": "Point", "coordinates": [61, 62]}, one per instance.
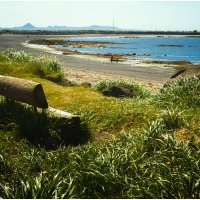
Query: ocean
{"type": "Point", "coordinates": [167, 48]}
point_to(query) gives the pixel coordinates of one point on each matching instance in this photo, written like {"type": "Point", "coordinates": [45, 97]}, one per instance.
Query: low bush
{"type": "Point", "coordinates": [184, 93]}
{"type": "Point", "coordinates": [137, 89]}
{"type": "Point", "coordinates": [172, 118]}
{"type": "Point", "coordinates": [42, 66]}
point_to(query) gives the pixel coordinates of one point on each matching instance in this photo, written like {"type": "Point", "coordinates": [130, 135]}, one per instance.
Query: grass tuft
{"type": "Point", "coordinates": [139, 90]}
{"type": "Point", "coordinates": [42, 66]}
{"type": "Point", "coordinates": [183, 93]}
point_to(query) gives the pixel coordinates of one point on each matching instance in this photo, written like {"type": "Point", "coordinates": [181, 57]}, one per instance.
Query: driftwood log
{"type": "Point", "coordinates": [25, 91]}
{"type": "Point", "coordinates": [64, 115]}
{"type": "Point", "coordinates": [32, 93]}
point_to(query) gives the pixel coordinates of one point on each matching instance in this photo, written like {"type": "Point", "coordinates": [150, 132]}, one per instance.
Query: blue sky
{"type": "Point", "coordinates": [142, 15]}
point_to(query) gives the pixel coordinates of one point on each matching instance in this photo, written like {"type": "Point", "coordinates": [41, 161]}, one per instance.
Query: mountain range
{"type": "Point", "coordinates": [29, 26]}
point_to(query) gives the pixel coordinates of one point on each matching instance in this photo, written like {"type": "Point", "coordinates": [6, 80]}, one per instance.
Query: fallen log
{"type": "Point", "coordinates": [25, 91]}
{"type": "Point", "coordinates": [64, 115]}
{"type": "Point", "coordinates": [32, 93]}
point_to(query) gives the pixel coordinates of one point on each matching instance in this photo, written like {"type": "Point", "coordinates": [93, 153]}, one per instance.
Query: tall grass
{"type": "Point", "coordinates": [183, 93]}
{"type": "Point", "coordinates": [20, 61]}
{"type": "Point", "coordinates": [40, 128]}
{"type": "Point", "coordinates": [147, 164]}
{"type": "Point", "coordinates": [139, 90]}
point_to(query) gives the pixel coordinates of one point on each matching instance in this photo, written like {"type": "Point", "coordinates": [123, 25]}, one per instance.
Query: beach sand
{"type": "Point", "coordinates": [80, 76]}
{"type": "Point", "coordinates": [90, 68]}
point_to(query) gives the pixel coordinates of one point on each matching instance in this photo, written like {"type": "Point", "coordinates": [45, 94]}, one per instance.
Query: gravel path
{"type": "Point", "coordinates": [89, 69]}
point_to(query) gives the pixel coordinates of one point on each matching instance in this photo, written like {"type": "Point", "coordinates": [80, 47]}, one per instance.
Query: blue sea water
{"type": "Point", "coordinates": [188, 47]}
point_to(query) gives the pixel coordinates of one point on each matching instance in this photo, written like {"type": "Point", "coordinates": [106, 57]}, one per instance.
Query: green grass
{"type": "Point", "coordinates": [146, 164]}
{"type": "Point", "coordinates": [40, 128]}
{"type": "Point", "coordinates": [144, 147]}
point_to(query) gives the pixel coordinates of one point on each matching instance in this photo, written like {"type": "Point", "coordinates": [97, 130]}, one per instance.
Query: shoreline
{"type": "Point", "coordinates": [69, 46]}
{"type": "Point", "coordinates": [80, 75]}
{"type": "Point", "coordinates": [97, 57]}
{"type": "Point", "coordinates": [85, 75]}
{"type": "Point", "coordinates": [90, 68]}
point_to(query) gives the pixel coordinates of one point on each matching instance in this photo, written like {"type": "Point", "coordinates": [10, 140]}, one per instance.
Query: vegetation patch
{"type": "Point", "coordinates": [146, 164]}
{"type": "Point", "coordinates": [122, 89]}
{"type": "Point", "coordinates": [183, 92]}
{"type": "Point", "coordinates": [42, 66]}
{"type": "Point", "coordinates": [143, 147]}
{"type": "Point", "coordinates": [40, 128]}
{"type": "Point", "coordinates": [176, 62]}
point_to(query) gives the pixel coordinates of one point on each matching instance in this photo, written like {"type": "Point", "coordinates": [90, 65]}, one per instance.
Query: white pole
{"type": "Point", "coordinates": [113, 24]}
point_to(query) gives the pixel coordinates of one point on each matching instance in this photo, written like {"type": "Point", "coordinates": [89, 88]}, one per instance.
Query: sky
{"type": "Point", "coordinates": [139, 15]}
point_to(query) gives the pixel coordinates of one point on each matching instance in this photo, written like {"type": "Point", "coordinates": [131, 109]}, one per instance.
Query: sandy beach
{"type": "Point", "coordinates": [89, 68]}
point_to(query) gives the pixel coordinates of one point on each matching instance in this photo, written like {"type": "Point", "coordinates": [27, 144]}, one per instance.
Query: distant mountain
{"type": "Point", "coordinates": [29, 26]}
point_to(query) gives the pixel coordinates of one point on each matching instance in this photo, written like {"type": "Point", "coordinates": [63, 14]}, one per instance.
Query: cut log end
{"type": "Point", "coordinates": [22, 90]}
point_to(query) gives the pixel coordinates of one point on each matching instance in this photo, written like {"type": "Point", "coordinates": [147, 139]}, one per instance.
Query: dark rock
{"type": "Point", "coordinates": [86, 84]}
{"type": "Point", "coordinates": [118, 92]}
{"type": "Point", "coordinates": [178, 72]}
{"type": "Point", "coordinates": [108, 54]}
{"type": "Point", "coordinates": [66, 53]}
{"type": "Point", "coordinates": [170, 45]}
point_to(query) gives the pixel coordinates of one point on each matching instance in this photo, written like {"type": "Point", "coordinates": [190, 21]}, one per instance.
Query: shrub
{"type": "Point", "coordinates": [42, 66]}
{"type": "Point", "coordinates": [172, 118]}
{"type": "Point", "coordinates": [185, 92]}
{"type": "Point", "coordinates": [134, 87]}
{"type": "Point", "coordinates": [12, 56]}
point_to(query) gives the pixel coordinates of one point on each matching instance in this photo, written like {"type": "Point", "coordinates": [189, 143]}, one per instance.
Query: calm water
{"type": "Point", "coordinates": [188, 47]}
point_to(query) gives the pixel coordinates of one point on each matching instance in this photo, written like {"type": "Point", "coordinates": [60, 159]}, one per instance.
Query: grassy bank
{"type": "Point", "coordinates": [141, 147]}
